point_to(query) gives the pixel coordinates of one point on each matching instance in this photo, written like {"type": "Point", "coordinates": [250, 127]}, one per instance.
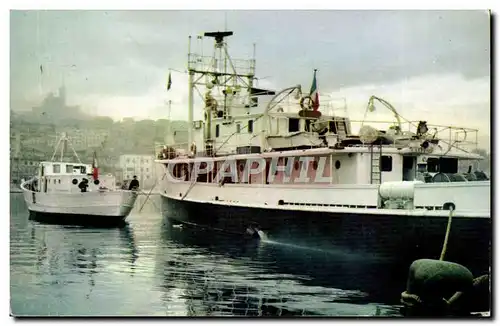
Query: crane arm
{"type": "Point", "coordinates": [388, 105]}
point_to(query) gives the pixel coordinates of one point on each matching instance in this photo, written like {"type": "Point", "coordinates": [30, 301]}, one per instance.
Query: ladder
{"type": "Point", "coordinates": [376, 157]}
{"type": "Point", "coordinates": [341, 129]}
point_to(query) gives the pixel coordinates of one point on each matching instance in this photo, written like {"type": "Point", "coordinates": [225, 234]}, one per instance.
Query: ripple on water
{"type": "Point", "coordinates": [149, 269]}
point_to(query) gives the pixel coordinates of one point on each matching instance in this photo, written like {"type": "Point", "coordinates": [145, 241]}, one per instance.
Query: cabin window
{"type": "Point", "coordinates": [238, 128]}
{"type": "Point", "coordinates": [216, 130]}
{"type": "Point", "coordinates": [56, 168]}
{"type": "Point", "coordinates": [432, 164]}
{"type": "Point", "coordinates": [59, 181]}
{"type": "Point", "coordinates": [250, 126]}
{"type": "Point", "coordinates": [386, 164]}
{"type": "Point", "coordinates": [83, 170]}
{"type": "Point", "coordinates": [69, 168]}
{"type": "Point", "coordinates": [448, 165]}
{"type": "Point", "coordinates": [293, 125]}
{"type": "Point", "coordinates": [337, 164]}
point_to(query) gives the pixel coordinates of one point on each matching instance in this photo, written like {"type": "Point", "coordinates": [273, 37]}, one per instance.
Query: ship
{"type": "Point", "coordinates": [72, 192]}
{"type": "Point", "coordinates": [284, 166]}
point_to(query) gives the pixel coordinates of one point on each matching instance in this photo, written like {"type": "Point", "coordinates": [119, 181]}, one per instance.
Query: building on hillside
{"type": "Point", "coordinates": [83, 139]}
{"type": "Point", "coordinates": [142, 166]}
{"type": "Point", "coordinates": [55, 108]}
{"type": "Point", "coordinates": [24, 167]}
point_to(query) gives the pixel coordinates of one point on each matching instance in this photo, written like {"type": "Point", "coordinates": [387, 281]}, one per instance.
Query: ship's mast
{"type": "Point", "coordinates": [190, 96]}
{"type": "Point", "coordinates": [63, 142]}
{"type": "Point", "coordinates": [217, 73]}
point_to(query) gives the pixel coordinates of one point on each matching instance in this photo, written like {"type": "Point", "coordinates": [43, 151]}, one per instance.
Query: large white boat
{"type": "Point", "coordinates": [284, 165]}
{"type": "Point", "coordinates": [75, 193]}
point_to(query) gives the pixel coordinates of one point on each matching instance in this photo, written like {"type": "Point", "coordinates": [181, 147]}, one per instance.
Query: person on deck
{"type": "Point", "coordinates": [83, 185]}
{"type": "Point", "coordinates": [134, 184]}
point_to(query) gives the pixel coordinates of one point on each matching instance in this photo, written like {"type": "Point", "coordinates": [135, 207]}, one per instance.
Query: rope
{"type": "Point", "coordinates": [189, 189]}
{"type": "Point", "coordinates": [147, 197]}
{"type": "Point", "coordinates": [447, 235]}
{"type": "Point", "coordinates": [410, 300]}
{"type": "Point", "coordinates": [150, 191]}
{"type": "Point", "coordinates": [414, 303]}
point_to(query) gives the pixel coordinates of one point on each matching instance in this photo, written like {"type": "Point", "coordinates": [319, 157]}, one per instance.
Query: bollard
{"type": "Point", "coordinates": [430, 284]}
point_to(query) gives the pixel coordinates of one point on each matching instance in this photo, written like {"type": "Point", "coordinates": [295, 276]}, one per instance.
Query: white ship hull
{"type": "Point", "coordinates": [471, 199]}
{"type": "Point", "coordinates": [110, 206]}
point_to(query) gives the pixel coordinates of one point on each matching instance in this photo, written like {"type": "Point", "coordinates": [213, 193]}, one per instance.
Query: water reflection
{"type": "Point", "coordinates": [56, 269]}
{"type": "Point", "coordinates": [253, 278]}
{"type": "Point", "coordinates": [149, 267]}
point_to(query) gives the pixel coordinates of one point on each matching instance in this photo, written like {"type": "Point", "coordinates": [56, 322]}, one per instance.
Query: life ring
{"type": "Point", "coordinates": [193, 149]}
{"type": "Point", "coordinates": [306, 106]}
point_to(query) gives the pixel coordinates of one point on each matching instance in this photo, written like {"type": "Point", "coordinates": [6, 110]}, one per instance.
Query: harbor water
{"type": "Point", "coordinates": [152, 268]}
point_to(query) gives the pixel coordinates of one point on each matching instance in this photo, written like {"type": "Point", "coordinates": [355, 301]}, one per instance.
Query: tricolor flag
{"type": "Point", "coordinates": [95, 168]}
{"type": "Point", "coordinates": [314, 93]}
{"type": "Point", "coordinates": [169, 82]}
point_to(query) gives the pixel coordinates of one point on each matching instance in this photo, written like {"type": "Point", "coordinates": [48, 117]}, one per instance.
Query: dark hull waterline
{"type": "Point", "coordinates": [396, 239]}
{"type": "Point", "coordinates": [78, 219]}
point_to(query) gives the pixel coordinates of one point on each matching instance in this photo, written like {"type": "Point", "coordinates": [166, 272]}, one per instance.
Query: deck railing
{"type": "Point", "coordinates": [465, 139]}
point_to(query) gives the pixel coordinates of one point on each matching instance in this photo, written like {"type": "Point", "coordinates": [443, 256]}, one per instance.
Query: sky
{"type": "Point", "coordinates": [430, 65]}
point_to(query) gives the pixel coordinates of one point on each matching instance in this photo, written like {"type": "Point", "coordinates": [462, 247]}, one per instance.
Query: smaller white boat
{"type": "Point", "coordinates": [75, 193]}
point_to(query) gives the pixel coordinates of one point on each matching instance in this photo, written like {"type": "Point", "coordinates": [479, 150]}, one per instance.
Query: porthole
{"type": "Point", "coordinates": [337, 164]}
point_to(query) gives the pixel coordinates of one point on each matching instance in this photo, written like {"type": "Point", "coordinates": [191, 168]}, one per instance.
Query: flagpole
{"type": "Point", "coordinates": [313, 93]}
{"type": "Point", "coordinates": [169, 129]}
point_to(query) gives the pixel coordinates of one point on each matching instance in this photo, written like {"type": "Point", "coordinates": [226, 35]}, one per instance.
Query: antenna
{"type": "Point", "coordinates": [219, 36]}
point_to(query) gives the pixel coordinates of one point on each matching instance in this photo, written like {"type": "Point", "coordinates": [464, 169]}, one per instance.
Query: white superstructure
{"type": "Point", "coordinates": [56, 190]}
